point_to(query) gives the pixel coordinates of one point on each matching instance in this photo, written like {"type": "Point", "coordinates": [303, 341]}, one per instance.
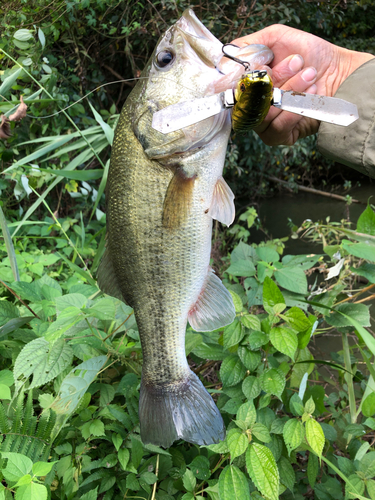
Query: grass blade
{"type": "Point", "coordinates": [9, 246]}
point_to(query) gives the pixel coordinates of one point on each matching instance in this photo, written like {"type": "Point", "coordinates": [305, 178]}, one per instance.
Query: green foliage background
{"type": "Point", "coordinates": [70, 357]}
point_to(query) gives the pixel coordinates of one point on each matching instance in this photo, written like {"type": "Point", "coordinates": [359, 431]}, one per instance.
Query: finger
{"type": "Point", "coordinates": [286, 69]}
{"type": "Point", "coordinates": [302, 80]}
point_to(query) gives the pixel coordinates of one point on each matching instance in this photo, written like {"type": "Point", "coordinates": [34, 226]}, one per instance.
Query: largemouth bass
{"type": "Point", "coordinates": [163, 192]}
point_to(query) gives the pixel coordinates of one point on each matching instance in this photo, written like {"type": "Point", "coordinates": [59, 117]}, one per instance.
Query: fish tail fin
{"type": "Point", "coordinates": [182, 410]}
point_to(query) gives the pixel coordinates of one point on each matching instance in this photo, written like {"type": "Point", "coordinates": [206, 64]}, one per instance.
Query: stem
{"type": "Point", "coordinates": [349, 379]}
{"type": "Point", "coordinates": [156, 474]}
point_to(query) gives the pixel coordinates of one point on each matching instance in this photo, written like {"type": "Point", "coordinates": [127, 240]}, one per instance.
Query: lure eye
{"type": "Point", "coordinates": [164, 58]}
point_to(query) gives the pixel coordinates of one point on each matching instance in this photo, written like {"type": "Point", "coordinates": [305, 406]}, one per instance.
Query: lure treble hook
{"type": "Point", "coordinates": [245, 64]}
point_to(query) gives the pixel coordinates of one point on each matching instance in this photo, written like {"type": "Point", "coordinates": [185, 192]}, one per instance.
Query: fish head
{"type": "Point", "coordinates": [188, 63]}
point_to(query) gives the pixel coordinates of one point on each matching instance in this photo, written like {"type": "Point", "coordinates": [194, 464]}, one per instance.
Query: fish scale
{"type": "Point", "coordinates": [162, 196]}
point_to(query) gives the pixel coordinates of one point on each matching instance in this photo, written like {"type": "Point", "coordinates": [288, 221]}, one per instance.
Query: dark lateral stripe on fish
{"type": "Point", "coordinates": [178, 199]}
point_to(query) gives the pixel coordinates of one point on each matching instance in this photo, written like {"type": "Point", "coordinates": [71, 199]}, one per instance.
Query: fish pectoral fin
{"type": "Point", "coordinates": [214, 307]}
{"type": "Point", "coordinates": [106, 276]}
{"type": "Point", "coordinates": [178, 199]}
{"type": "Point", "coordinates": [180, 410]}
{"type": "Point", "coordinates": [222, 205]}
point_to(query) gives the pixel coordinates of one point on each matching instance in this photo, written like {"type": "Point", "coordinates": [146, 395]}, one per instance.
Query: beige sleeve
{"type": "Point", "coordinates": [354, 145]}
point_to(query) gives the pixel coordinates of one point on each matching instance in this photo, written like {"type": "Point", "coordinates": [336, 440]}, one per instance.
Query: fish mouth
{"type": "Point", "coordinates": [201, 40]}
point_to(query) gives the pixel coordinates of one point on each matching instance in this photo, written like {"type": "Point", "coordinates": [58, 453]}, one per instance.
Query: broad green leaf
{"type": "Point", "coordinates": [65, 320]}
{"type": "Point", "coordinates": [256, 339]}
{"type": "Point", "coordinates": [360, 312]}
{"type": "Point", "coordinates": [17, 466]}
{"type": "Point", "coordinates": [8, 311]}
{"type": "Point", "coordinates": [42, 360]}
{"type": "Point", "coordinates": [292, 278]}
{"type": "Point", "coordinates": [26, 479]}
{"type": "Point", "coordinates": [188, 496]}
{"type": "Point", "coordinates": [359, 487]}
{"type": "Point", "coordinates": [364, 250]}
{"type": "Point", "coordinates": [97, 428]}
{"type": "Point", "coordinates": [267, 254]}
{"type": "Point", "coordinates": [243, 268]}
{"type": "Point", "coordinates": [273, 382]}
{"type": "Point", "coordinates": [104, 309]}
{"type": "Point", "coordinates": [315, 436]}
{"type": "Point", "coordinates": [42, 468]}
{"type": "Point", "coordinates": [285, 340]}
{"type": "Point", "coordinates": [250, 359]}
{"type": "Point", "coordinates": [367, 270]}
{"type": "Point", "coordinates": [271, 295]}
{"type": "Point", "coordinates": [310, 406]}
{"type": "Point", "coordinates": [296, 405]}
{"type": "Point", "coordinates": [189, 480]}
{"type": "Point", "coordinates": [263, 470]}
{"type": "Point", "coordinates": [237, 442]}
{"type": "Point", "coordinates": [362, 450]}
{"type": "Point", "coordinates": [117, 441]}
{"type": "Point", "coordinates": [237, 301]}
{"type": "Point", "coordinates": [90, 495]}
{"type": "Point", "coordinates": [192, 340]}
{"type": "Point", "coordinates": [261, 432]}
{"type": "Point", "coordinates": [232, 371]}
{"type": "Point", "coordinates": [200, 467]}
{"type": "Point", "coordinates": [368, 405]}
{"type": "Point", "coordinates": [6, 378]}
{"type": "Point", "coordinates": [32, 491]}
{"type": "Point", "coordinates": [77, 300]}
{"type": "Point", "coordinates": [23, 35]}
{"type": "Point", "coordinates": [233, 334]}
{"type": "Point", "coordinates": [137, 451]}
{"type": "Point", "coordinates": [366, 221]}
{"type": "Point", "coordinates": [250, 321]}
{"type": "Point", "coordinates": [287, 474]}
{"type": "Point", "coordinates": [370, 485]}
{"type": "Point", "coordinates": [297, 319]}
{"type": "Point", "coordinates": [123, 457]}
{"type": "Point", "coordinates": [210, 351]}
{"type": "Point", "coordinates": [5, 392]}
{"type": "Point", "coordinates": [312, 469]}
{"type": "Point", "coordinates": [293, 434]}
{"type": "Point", "coordinates": [233, 484]}
{"type": "Point", "coordinates": [251, 387]}
{"type": "Point", "coordinates": [75, 384]}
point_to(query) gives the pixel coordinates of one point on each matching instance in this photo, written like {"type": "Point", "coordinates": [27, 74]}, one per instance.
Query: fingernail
{"type": "Point", "coordinates": [296, 63]}
{"type": "Point", "coordinates": [309, 75]}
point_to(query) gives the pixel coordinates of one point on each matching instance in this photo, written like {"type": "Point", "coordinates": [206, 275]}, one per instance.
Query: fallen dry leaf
{"type": "Point", "coordinates": [4, 128]}
{"type": "Point", "coordinates": [19, 113]}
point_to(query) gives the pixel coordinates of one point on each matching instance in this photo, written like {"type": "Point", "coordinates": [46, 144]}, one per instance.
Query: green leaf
{"type": "Point", "coordinates": [370, 484]}
{"type": "Point", "coordinates": [261, 432]}
{"type": "Point", "coordinates": [267, 254]}
{"type": "Point", "coordinates": [315, 436]}
{"type": "Point", "coordinates": [9, 246]}
{"type": "Point", "coordinates": [364, 250]}
{"type": "Point", "coordinates": [366, 221]}
{"type": "Point", "coordinates": [233, 333]}
{"type": "Point", "coordinates": [192, 340]}
{"type": "Point", "coordinates": [247, 413]}
{"type": "Point", "coordinates": [8, 311]}
{"type": "Point", "coordinates": [250, 321]}
{"type": "Point", "coordinates": [137, 451]}
{"type": "Point", "coordinates": [6, 378]}
{"type": "Point", "coordinates": [232, 371]}
{"type": "Point", "coordinates": [310, 406]}
{"type": "Point", "coordinates": [42, 360]}
{"type": "Point", "coordinates": [293, 434]}
{"type": "Point", "coordinates": [10, 81]}
{"type": "Point", "coordinates": [359, 487]}
{"type": "Point", "coordinates": [123, 457]}
{"type": "Point", "coordinates": [237, 442]}
{"type": "Point", "coordinates": [263, 470]}
{"type": "Point", "coordinates": [26, 479]}
{"type": "Point", "coordinates": [367, 270]}
{"type": "Point", "coordinates": [287, 474]}
{"type": "Point", "coordinates": [360, 312]}
{"type": "Point", "coordinates": [368, 405]}
{"type": "Point", "coordinates": [297, 319]}
{"type": "Point", "coordinates": [292, 278]}
{"type": "Point", "coordinates": [75, 384]}
{"type": "Point", "coordinates": [17, 466]}
{"type": "Point", "coordinates": [243, 268]}
{"type": "Point", "coordinates": [117, 441]}
{"type": "Point", "coordinates": [250, 359]}
{"type": "Point", "coordinates": [210, 351]}
{"type": "Point", "coordinates": [23, 35]}
{"type": "Point", "coordinates": [273, 382]}
{"type": "Point", "coordinates": [271, 295]}
{"type": "Point", "coordinates": [312, 469]}
{"type": "Point", "coordinates": [42, 468]}
{"type": "Point", "coordinates": [237, 301]}
{"type": "Point", "coordinates": [285, 340]}
{"type": "Point", "coordinates": [32, 491]}
{"type": "Point", "coordinates": [108, 131]}
{"type": "Point", "coordinates": [90, 495]}
{"type": "Point", "coordinates": [233, 484]}
{"type": "Point", "coordinates": [189, 480]}
{"type": "Point", "coordinates": [97, 428]}
{"type": "Point", "coordinates": [5, 392]}
{"type": "Point", "coordinates": [200, 467]}
{"type": "Point", "coordinates": [251, 387]}
{"type": "Point", "coordinates": [104, 309]}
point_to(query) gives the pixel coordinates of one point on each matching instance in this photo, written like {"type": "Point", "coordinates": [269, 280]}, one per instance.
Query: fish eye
{"type": "Point", "coordinates": [165, 58]}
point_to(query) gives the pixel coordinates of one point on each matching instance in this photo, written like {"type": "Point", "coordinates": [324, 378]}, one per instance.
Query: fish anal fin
{"type": "Point", "coordinates": [181, 410]}
{"type": "Point", "coordinates": [178, 199]}
{"type": "Point", "coordinates": [214, 307]}
{"type": "Point", "coordinates": [107, 279]}
{"type": "Point", "coordinates": [222, 205]}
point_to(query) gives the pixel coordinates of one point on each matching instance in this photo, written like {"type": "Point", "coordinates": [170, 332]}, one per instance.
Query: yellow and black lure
{"type": "Point", "coordinates": [253, 97]}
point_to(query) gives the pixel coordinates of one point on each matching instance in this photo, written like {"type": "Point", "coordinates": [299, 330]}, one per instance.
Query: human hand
{"type": "Point", "coordinates": [304, 63]}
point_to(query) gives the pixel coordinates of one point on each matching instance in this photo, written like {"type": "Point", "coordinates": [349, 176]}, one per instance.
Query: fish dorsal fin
{"type": "Point", "coordinates": [214, 307]}
{"type": "Point", "coordinates": [178, 199]}
{"type": "Point", "coordinates": [107, 279]}
{"type": "Point", "coordinates": [222, 205]}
